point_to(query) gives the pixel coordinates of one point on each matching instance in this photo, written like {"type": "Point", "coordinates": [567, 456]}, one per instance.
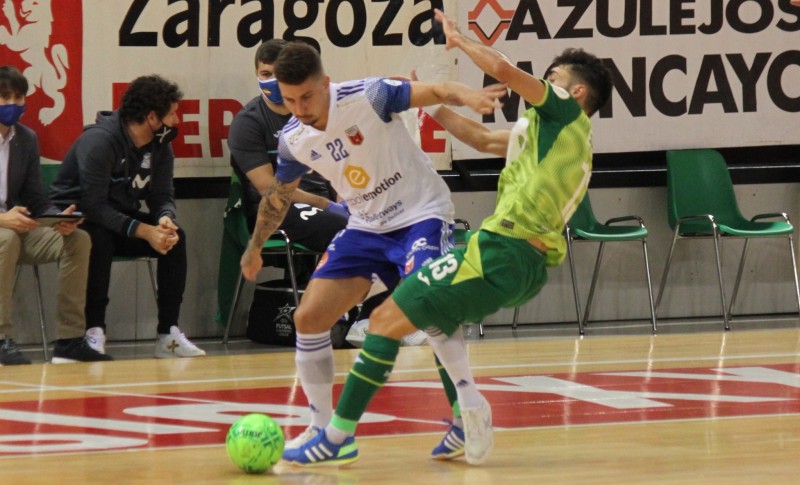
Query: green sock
{"type": "Point", "coordinates": [449, 388]}
{"type": "Point", "coordinates": [369, 373]}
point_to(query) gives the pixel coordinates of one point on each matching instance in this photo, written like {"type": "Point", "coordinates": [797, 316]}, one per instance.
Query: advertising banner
{"type": "Point", "coordinates": [688, 73]}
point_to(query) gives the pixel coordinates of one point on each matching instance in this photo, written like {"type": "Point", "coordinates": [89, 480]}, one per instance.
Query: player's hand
{"type": "Point", "coordinates": [65, 228]}
{"type": "Point", "coordinates": [485, 101]}
{"type": "Point", "coordinates": [251, 263]}
{"type": "Point", "coordinates": [18, 220]}
{"type": "Point", "coordinates": [339, 208]}
{"type": "Point", "coordinates": [450, 29]}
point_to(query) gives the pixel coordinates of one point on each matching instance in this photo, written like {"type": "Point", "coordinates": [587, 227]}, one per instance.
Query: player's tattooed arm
{"type": "Point", "coordinates": [271, 211]}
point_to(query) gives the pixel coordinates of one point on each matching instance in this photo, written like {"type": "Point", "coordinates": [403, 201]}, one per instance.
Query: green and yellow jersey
{"type": "Point", "coordinates": [548, 166]}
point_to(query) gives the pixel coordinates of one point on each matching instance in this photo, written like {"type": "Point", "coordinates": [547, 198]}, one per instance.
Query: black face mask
{"type": "Point", "coordinates": [165, 134]}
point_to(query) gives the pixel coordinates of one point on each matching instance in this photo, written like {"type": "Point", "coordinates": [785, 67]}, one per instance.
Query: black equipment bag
{"type": "Point", "coordinates": [271, 318]}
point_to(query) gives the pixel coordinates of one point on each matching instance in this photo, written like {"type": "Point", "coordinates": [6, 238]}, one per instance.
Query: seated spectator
{"type": "Point", "coordinates": [124, 157]}
{"type": "Point", "coordinates": [24, 241]}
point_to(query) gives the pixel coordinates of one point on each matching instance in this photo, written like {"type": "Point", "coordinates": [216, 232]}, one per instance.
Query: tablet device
{"type": "Point", "coordinates": [51, 219]}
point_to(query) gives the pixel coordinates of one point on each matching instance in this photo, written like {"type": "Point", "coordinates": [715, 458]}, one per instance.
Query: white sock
{"type": "Point", "coordinates": [314, 360]}
{"type": "Point", "coordinates": [335, 436]}
{"type": "Point", "coordinates": [452, 352]}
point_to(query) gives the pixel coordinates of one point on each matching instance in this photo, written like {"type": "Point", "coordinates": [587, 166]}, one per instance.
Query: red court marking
{"type": "Point", "coordinates": [525, 402]}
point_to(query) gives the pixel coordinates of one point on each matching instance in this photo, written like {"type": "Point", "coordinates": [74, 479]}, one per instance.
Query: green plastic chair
{"type": "Point", "coordinates": [584, 227]}
{"type": "Point", "coordinates": [237, 232]}
{"type": "Point", "coordinates": [701, 203]}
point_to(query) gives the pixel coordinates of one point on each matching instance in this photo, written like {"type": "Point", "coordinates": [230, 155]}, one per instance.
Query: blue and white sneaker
{"type": "Point", "coordinates": [451, 446]}
{"type": "Point", "coordinates": [318, 451]}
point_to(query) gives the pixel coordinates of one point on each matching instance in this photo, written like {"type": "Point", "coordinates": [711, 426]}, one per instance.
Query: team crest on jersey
{"type": "Point", "coordinates": [354, 134]}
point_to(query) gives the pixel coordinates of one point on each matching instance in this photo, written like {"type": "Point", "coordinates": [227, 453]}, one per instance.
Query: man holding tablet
{"type": "Point", "coordinates": [25, 238]}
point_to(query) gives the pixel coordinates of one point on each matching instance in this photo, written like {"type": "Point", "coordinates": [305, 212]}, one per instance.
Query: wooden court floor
{"type": "Point", "coordinates": [710, 407]}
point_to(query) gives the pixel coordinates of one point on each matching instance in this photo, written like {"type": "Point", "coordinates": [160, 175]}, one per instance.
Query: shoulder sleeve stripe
{"type": "Point", "coordinates": [292, 124]}
{"type": "Point", "coordinates": [349, 89]}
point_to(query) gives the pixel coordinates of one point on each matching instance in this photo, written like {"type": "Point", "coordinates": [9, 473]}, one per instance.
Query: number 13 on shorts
{"type": "Point", "coordinates": [439, 269]}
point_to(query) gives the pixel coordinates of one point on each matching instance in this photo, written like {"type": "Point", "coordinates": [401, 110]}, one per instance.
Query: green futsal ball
{"type": "Point", "coordinates": [255, 443]}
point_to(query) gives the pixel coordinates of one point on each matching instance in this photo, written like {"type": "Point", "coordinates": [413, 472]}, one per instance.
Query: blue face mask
{"type": "Point", "coordinates": [270, 90]}
{"type": "Point", "coordinates": [11, 113]}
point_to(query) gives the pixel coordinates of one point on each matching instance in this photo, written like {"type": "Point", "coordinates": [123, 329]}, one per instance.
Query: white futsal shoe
{"type": "Point", "coordinates": [175, 344]}
{"type": "Point", "coordinates": [478, 433]}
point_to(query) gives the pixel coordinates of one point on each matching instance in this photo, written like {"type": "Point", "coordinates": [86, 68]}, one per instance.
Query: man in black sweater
{"type": "Point", "coordinates": [124, 157]}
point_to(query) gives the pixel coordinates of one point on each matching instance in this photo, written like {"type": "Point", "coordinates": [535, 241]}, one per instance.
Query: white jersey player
{"type": "Point", "coordinates": [401, 208]}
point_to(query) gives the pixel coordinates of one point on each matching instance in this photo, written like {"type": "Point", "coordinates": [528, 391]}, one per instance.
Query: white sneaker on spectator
{"type": "Point", "coordinates": [478, 433]}
{"type": "Point", "coordinates": [357, 333]}
{"type": "Point", "coordinates": [302, 438]}
{"type": "Point", "coordinates": [175, 344]}
{"type": "Point", "coordinates": [417, 338]}
{"type": "Point", "coordinates": [96, 338]}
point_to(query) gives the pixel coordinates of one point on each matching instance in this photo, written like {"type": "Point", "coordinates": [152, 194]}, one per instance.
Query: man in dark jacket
{"type": "Point", "coordinates": [124, 157]}
{"type": "Point", "coordinates": [23, 240]}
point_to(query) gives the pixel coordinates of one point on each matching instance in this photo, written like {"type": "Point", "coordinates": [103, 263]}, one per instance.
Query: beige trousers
{"type": "Point", "coordinates": [45, 245]}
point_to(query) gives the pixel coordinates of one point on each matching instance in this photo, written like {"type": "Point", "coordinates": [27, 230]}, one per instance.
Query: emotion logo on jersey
{"type": "Point", "coordinates": [356, 176]}
{"type": "Point", "coordinates": [354, 135]}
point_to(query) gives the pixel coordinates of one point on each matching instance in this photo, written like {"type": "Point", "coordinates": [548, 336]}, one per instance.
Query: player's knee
{"type": "Point", "coordinates": [385, 318]}
{"type": "Point", "coordinates": [308, 320]}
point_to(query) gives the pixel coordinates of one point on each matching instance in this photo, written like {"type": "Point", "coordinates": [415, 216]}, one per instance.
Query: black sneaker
{"type": "Point", "coordinates": [10, 354]}
{"type": "Point", "coordinates": [69, 350]}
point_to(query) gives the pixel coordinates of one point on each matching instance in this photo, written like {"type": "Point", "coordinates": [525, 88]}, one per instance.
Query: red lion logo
{"type": "Point", "coordinates": [46, 39]}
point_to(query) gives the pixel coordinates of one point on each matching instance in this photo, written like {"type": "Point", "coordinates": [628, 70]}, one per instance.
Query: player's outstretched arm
{"type": "Point", "coordinates": [471, 132]}
{"type": "Point", "coordinates": [482, 101]}
{"type": "Point", "coordinates": [493, 62]}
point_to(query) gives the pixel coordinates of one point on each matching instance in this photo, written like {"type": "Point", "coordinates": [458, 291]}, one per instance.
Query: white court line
{"type": "Point", "coordinates": [99, 388]}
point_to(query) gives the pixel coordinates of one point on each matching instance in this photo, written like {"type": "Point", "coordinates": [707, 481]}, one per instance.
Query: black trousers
{"type": "Point", "coordinates": [171, 273]}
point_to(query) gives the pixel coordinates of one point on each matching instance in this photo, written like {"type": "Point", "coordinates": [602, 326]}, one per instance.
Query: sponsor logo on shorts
{"type": "Point", "coordinates": [421, 244]}
{"type": "Point", "coordinates": [409, 264]}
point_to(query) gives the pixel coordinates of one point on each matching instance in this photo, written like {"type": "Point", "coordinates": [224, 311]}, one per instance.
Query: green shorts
{"type": "Point", "coordinates": [472, 282]}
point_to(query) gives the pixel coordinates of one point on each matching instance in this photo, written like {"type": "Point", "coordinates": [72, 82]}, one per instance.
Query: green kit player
{"type": "Point", "coordinates": [504, 264]}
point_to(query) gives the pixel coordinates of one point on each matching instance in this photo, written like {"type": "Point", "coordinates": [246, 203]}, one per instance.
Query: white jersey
{"type": "Point", "coordinates": [369, 157]}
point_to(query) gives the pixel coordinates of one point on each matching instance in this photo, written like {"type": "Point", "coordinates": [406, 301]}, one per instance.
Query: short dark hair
{"type": "Point", "coordinates": [590, 70]}
{"type": "Point", "coordinates": [268, 52]}
{"type": "Point", "coordinates": [146, 94]}
{"type": "Point", "coordinates": [12, 82]}
{"type": "Point", "coordinates": [296, 63]}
